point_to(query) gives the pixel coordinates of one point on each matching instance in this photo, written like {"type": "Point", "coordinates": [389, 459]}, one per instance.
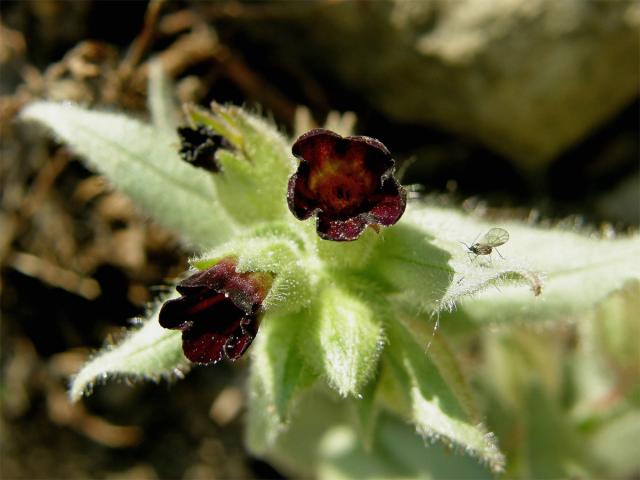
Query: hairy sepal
{"type": "Point", "coordinates": [344, 337]}
{"type": "Point", "coordinates": [252, 183]}
{"type": "Point", "coordinates": [272, 253]}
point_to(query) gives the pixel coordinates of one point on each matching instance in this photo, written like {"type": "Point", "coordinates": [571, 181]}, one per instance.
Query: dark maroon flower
{"type": "Point", "coordinates": [218, 313]}
{"type": "Point", "coordinates": [347, 182]}
{"type": "Point", "coordinates": [198, 146]}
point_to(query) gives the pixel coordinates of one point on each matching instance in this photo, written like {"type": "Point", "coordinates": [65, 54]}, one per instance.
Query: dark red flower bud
{"type": "Point", "coordinates": [347, 182]}
{"type": "Point", "coordinates": [198, 146]}
{"type": "Point", "coordinates": [218, 312]}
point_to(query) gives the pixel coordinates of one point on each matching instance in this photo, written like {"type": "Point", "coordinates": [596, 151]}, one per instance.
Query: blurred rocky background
{"type": "Point", "coordinates": [510, 108]}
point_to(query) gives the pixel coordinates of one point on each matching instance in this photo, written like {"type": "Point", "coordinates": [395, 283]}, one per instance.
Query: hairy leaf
{"type": "Point", "coordinates": [436, 410]}
{"type": "Point", "coordinates": [144, 163]}
{"type": "Point", "coordinates": [443, 357]}
{"type": "Point", "coordinates": [149, 353]}
{"type": "Point", "coordinates": [545, 274]}
{"type": "Point", "coordinates": [274, 251]}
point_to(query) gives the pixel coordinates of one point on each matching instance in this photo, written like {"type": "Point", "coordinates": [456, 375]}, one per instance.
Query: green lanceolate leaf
{"type": "Point", "coordinates": [344, 338]}
{"type": "Point", "coordinates": [422, 260]}
{"type": "Point", "coordinates": [149, 353]}
{"type": "Point", "coordinates": [545, 274]}
{"type": "Point", "coordinates": [143, 162]}
{"type": "Point", "coordinates": [263, 426]}
{"type": "Point", "coordinates": [443, 357]}
{"type": "Point", "coordinates": [436, 410]}
{"type": "Point", "coordinates": [585, 271]}
{"type": "Point", "coordinates": [413, 266]}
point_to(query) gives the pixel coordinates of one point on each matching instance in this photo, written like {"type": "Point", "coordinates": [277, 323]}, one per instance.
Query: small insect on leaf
{"type": "Point", "coordinates": [489, 241]}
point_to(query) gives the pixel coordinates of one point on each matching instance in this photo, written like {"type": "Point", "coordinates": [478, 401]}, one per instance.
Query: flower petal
{"type": "Point", "coordinates": [204, 342]}
{"type": "Point", "coordinates": [340, 230]}
{"type": "Point", "coordinates": [181, 313]}
{"type": "Point", "coordinates": [218, 311]}
{"type": "Point", "coordinates": [347, 182]}
{"type": "Point", "coordinates": [238, 343]}
{"type": "Point", "coordinates": [213, 278]}
{"type": "Point", "coordinates": [390, 203]}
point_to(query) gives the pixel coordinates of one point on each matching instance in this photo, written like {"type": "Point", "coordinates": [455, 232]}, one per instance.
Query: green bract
{"type": "Point", "coordinates": [353, 318]}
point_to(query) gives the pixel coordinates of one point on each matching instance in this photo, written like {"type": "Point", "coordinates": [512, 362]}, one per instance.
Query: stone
{"type": "Point", "coordinates": [527, 79]}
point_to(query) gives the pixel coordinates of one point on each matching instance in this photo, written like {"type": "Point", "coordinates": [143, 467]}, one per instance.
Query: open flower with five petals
{"type": "Point", "coordinates": [346, 182]}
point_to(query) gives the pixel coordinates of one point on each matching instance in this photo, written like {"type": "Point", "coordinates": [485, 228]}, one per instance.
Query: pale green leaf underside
{"type": "Point", "coordinates": [569, 271]}
{"type": "Point", "coordinates": [143, 162]}
{"type": "Point", "coordinates": [263, 425]}
{"type": "Point", "coordinates": [150, 353]}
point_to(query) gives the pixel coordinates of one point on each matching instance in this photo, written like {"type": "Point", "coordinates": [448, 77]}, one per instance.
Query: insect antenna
{"type": "Point", "coordinates": [468, 247]}
{"type": "Point", "coordinates": [469, 251]}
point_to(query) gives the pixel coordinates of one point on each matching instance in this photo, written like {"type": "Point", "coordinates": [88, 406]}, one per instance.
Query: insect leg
{"type": "Point", "coordinates": [496, 249]}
